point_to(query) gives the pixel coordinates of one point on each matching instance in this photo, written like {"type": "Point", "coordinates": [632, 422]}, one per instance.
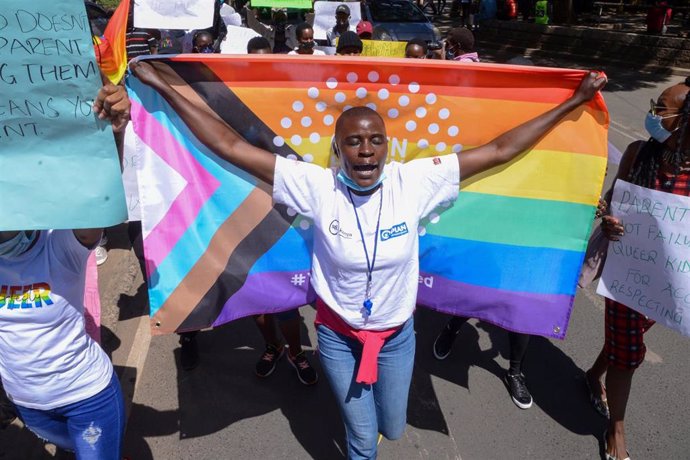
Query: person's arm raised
{"type": "Point", "coordinates": [507, 146]}
{"type": "Point", "coordinates": [211, 131]}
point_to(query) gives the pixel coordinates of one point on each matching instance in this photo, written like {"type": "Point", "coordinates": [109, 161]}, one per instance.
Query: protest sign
{"type": "Point", "coordinates": [648, 270]}
{"type": "Point", "coordinates": [178, 14]}
{"type": "Point", "coordinates": [324, 17]}
{"type": "Point", "coordinates": [296, 4]}
{"type": "Point", "coordinates": [59, 162]}
{"type": "Point", "coordinates": [236, 40]}
{"type": "Point", "coordinates": [383, 48]}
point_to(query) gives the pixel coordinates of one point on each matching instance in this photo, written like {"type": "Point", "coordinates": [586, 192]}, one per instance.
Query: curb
{"type": "Point", "coordinates": [591, 46]}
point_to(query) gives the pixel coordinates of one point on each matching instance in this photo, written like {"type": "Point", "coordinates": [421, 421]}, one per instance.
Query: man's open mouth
{"type": "Point", "coordinates": [365, 170]}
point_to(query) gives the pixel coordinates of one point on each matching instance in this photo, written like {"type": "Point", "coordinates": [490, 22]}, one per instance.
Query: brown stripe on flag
{"type": "Point", "coordinates": [200, 297]}
{"type": "Point", "coordinates": [212, 263]}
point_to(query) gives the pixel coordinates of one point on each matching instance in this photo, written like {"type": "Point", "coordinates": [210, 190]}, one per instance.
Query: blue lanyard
{"type": "Point", "coordinates": [368, 304]}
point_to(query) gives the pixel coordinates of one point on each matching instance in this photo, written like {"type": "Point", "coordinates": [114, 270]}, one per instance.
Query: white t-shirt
{"type": "Point", "coordinates": [316, 53]}
{"type": "Point", "coordinates": [230, 16]}
{"type": "Point", "coordinates": [46, 358]}
{"type": "Point", "coordinates": [339, 265]}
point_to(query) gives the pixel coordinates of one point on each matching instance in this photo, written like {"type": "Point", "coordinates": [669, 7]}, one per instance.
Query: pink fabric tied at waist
{"type": "Point", "coordinates": [372, 341]}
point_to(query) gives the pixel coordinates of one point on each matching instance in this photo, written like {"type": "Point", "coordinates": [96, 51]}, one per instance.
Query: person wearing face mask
{"type": "Point", "coordinates": [342, 24]}
{"type": "Point", "coordinates": [365, 260]}
{"type": "Point", "coordinates": [202, 42]}
{"type": "Point", "coordinates": [460, 45]}
{"type": "Point", "coordinates": [60, 381]}
{"type": "Point", "coordinates": [305, 40]}
{"type": "Point", "coordinates": [660, 163]}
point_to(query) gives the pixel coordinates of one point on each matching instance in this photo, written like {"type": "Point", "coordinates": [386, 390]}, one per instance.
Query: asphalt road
{"type": "Point", "coordinates": [459, 408]}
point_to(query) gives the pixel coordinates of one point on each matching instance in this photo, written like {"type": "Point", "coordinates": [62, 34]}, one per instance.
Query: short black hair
{"type": "Point", "coordinates": [257, 43]}
{"type": "Point", "coordinates": [357, 111]}
{"type": "Point", "coordinates": [463, 37]}
{"type": "Point", "coordinates": [418, 42]}
{"type": "Point", "coordinates": [349, 39]}
{"type": "Point", "coordinates": [301, 28]}
{"type": "Point", "coordinates": [200, 33]}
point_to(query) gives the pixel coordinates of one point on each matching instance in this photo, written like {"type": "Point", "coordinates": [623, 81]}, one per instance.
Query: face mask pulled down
{"type": "Point", "coordinates": [17, 245]}
{"type": "Point", "coordinates": [348, 182]}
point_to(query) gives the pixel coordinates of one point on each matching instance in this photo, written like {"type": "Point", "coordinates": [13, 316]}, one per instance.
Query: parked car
{"type": "Point", "coordinates": [399, 20]}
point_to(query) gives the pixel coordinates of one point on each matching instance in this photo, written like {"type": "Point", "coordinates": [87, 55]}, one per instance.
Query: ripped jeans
{"type": "Point", "coordinates": [92, 428]}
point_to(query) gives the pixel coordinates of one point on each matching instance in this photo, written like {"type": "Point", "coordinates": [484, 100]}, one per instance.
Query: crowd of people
{"type": "Point", "coordinates": [365, 327]}
{"type": "Point", "coordinates": [344, 38]}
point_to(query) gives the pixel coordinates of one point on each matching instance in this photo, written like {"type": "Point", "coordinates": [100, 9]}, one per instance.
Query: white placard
{"type": "Point", "coordinates": [131, 163]}
{"type": "Point", "coordinates": [236, 40]}
{"type": "Point", "coordinates": [173, 14]}
{"type": "Point", "coordinates": [324, 17]}
{"type": "Point", "coordinates": [648, 270]}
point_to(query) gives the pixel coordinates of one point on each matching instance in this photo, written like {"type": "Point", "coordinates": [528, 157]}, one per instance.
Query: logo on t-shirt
{"type": "Point", "coordinates": [334, 229]}
{"type": "Point", "coordinates": [437, 161]}
{"type": "Point", "coordinates": [31, 296]}
{"type": "Point", "coordinates": [395, 231]}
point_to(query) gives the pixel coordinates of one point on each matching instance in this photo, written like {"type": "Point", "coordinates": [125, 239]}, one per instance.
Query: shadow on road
{"type": "Point", "coordinates": [556, 383]}
{"type": "Point", "coordinates": [224, 390]}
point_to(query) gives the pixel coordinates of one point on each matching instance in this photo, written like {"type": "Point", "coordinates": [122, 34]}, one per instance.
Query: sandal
{"type": "Point", "coordinates": [600, 404]}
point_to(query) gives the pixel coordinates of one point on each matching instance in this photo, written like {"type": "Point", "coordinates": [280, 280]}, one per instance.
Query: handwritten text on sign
{"type": "Point", "coordinates": [65, 162]}
{"type": "Point", "coordinates": [39, 49]}
{"type": "Point", "coordinates": [649, 268]}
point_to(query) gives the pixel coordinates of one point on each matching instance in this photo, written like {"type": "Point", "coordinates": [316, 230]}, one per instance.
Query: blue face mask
{"type": "Point", "coordinates": [342, 177]}
{"type": "Point", "coordinates": [652, 124]}
{"type": "Point", "coordinates": [17, 245]}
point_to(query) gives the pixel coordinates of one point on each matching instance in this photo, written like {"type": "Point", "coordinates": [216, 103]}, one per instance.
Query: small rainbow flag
{"type": "Point", "coordinates": [111, 49]}
{"type": "Point", "coordinates": [508, 251]}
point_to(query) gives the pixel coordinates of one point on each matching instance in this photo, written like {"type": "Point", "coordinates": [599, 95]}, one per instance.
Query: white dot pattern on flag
{"type": "Point", "coordinates": [405, 103]}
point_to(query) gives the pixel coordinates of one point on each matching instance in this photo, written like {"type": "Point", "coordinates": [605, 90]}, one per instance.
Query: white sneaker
{"type": "Point", "coordinates": [101, 255]}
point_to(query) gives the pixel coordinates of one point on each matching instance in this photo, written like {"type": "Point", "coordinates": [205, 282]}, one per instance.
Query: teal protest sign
{"type": "Point", "coordinates": [58, 163]}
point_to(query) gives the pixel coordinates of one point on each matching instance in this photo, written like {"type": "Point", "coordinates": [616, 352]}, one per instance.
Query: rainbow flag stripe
{"type": "Point", "coordinates": [508, 251]}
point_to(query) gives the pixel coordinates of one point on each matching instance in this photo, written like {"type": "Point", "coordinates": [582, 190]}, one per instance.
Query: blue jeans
{"type": "Point", "coordinates": [368, 410]}
{"type": "Point", "coordinates": [92, 428]}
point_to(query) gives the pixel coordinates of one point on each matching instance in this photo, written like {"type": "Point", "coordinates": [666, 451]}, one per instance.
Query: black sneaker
{"type": "Point", "coordinates": [267, 362]}
{"type": "Point", "coordinates": [189, 353]}
{"type": "Point", "coordinates": [305, 373]}
{"type": "Point", "coordinates": [518, 390]}
{"type": "Point", "coordinates": [444, 342]}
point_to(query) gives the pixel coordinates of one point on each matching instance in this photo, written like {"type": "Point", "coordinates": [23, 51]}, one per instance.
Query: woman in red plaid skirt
{"type": "Point", "coordinates": [660, 163]}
